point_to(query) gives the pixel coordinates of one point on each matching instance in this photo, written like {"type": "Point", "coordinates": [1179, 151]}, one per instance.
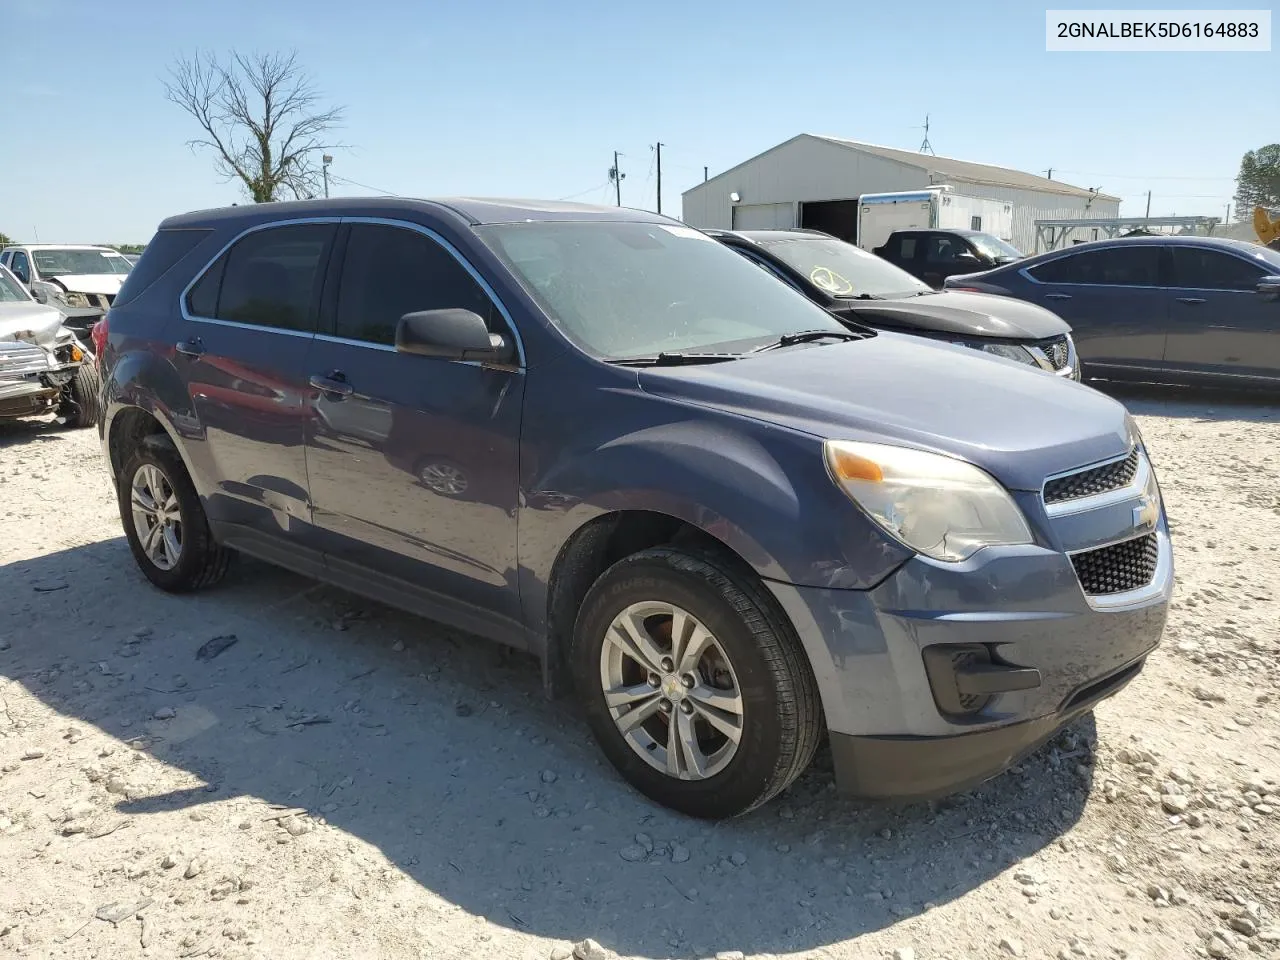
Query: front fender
{"type": "Point", "coordinates": [760, 490]}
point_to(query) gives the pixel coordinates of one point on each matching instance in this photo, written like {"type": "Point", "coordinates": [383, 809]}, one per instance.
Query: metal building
{"type": "Point", "coordinates": [773, 188]}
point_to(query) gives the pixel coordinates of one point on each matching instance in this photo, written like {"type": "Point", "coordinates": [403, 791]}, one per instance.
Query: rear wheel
{"type": "Point", "coordinates": [81, 398]}
{"type": "Point", "coordinates": [165, 522]}
{"type": "Point", "coordinates": [695, 687]}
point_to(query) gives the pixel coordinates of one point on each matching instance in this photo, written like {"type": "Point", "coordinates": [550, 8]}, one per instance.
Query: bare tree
{"type": "Point", "coordinates": [262, 120]}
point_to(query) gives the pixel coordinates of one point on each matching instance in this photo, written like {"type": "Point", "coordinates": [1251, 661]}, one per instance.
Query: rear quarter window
{"type": "Point", "coordinates": [166, 248]}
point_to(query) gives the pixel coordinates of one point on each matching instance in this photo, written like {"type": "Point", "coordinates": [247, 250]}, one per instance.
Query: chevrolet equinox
{"type": "Point", "coordinates": [730, 523]}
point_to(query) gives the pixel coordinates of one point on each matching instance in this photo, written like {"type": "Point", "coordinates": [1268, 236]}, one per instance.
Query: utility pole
{"type": "Point", "coordinates": [324, 168]}
{"type": "Point", "coordinates": [616, 176]}
{"type": "Point", "coordinates": [1049, 174]}
{"type": "Point", "coordinates": [1148, 203]}
{"type": "Point", "coordinates": [704, 174]}
{"type": "Point", "coordinates": [659, 149]}
{"type": "Point", "coordinates": [1228, 220]}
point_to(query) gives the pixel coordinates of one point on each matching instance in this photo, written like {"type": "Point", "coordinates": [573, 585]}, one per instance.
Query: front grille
{"type": "Point", "coordinates": [1057, 352]}
{"type": "Point", "coordinates": [1118, 568]}
{"type": "Point", "coordinates": [1091, 482]}
{"type": "Point", "coordinates": [19, 359]}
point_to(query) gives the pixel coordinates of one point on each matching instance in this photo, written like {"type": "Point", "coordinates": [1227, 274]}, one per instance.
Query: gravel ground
{"type": "Point", "coordinates": [336, 779]}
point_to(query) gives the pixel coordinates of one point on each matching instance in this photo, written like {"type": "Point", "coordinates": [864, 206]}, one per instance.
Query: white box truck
{"type": "Point", "coordinates": [935, 208]}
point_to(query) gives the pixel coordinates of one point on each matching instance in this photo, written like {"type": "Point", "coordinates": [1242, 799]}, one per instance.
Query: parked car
{"type": "Point", "coordinates": [934, 255]}
{"type": "Point", "coordinates": [80, 281]}
{"type": "Point", "coordinates": [860, 288]}
{"type": "Point", "coordinates": [1181, 310]}
{"type": "Point", "coordinates": [43, 367]}
{"type": "Point", "coordinates": [733, 524]}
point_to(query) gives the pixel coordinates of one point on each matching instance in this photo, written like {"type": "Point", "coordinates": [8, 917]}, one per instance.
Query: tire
{"type": "Point", "coordinates": [199, 561]}
{"type": "Point", "coordinates": [753, 658]}
{"type": "Point", "coordinates": [82, 397]}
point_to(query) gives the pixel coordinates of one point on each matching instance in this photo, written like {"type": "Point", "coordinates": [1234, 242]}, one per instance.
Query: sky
{"type": "Point", "coordinates": [531, 99]}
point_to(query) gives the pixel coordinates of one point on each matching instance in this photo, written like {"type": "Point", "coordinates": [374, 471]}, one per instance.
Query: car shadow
{"type": "Point", "coordinates": [31, 430]}
{"type": "Point", "coordinates": [1192, 403]}
{"type": "Point", "coordinates": [446, 756]}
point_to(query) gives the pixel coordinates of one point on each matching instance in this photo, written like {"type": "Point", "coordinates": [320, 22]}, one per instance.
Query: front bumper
{"type": "Point", "coordinates": [898, 729]}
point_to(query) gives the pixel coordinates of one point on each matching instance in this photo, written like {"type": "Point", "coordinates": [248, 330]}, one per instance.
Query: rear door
{"type": "Point", "coordinates": [1218, 323]}
{"type": "Point", "coordinates": [240, 347]}
{"type": "Point", "coordinates": [413, 461]}
{"type": "Point", "coordinates": [1113, 299]}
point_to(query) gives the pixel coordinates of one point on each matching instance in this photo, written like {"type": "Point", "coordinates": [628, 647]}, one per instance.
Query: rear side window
{"type": "Point", "coordinates": [166, 248]}
{"type": "Point", "coordinates": [270, 278]}
{"type": "Point", "coordinates": [906, 248]}
{"type": "Point", "coordinates": [1113, 267]}
{"type": "Point", "coordinates": [391, 271]}
{"type": "Point", "coordinates": [1213, 270]}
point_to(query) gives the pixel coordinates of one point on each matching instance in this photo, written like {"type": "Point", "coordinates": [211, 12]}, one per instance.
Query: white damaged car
{"type": "Point", "coordinates": [44, 367]}
{"type": "Point", "coordinates": [80, 281]}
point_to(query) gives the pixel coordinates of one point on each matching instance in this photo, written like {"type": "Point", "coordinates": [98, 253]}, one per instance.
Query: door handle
{"type": "Point", "coordinates": [333, 385]}
{"type": "Point", "coordinates": [1191, 299]}
{"type": "Point", "coordinates": [193, 348]}
{"type": "Point", "coordinates": [1057, 296]}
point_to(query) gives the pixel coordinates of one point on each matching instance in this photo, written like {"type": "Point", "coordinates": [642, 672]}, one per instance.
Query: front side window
{"type": "Point", "coordinates": [943, 249]}
{"type": "Point", "coordinates": [1206, 269]}
{"type": "Point", "coordinates": [1136, 266]}
{"type": "Point", "coordinates": [270, 278]}
{"type": "Point", "coordinates": [391, 271]}
{"type": "Point", "coordinates": [11, 291]}
{"type": "Point", "coordinates": [621, 290]}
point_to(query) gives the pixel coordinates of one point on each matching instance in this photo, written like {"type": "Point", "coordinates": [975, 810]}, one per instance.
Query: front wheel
{"type": "Point", "coordinates": [81, 398]}
{"type": "Point", "coordinates": [695, 686]}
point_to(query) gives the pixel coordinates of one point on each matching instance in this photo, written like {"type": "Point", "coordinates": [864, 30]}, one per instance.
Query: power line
{"type": "Point", "coordinates": [583, 193]}
{"type": "Point", "coordinates": [1121, 176]}
{"type": "Point", "coordinates": [363, 186]}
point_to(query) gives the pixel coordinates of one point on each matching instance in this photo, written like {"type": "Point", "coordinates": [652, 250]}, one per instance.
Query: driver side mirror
{"type": "Point", "coordinates": [968, 256]}
{"type": "Point", "coordinates": [451, 334]}
{"type": "Point", "coordinates": [1269, 288]}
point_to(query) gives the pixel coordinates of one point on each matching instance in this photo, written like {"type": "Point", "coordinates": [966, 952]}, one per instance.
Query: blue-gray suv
{"type": "Point", "coordinates": [731, 524]}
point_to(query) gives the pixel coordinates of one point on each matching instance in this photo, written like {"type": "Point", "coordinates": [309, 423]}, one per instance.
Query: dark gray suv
{"type": "Point", "coordinates": [730, 523]}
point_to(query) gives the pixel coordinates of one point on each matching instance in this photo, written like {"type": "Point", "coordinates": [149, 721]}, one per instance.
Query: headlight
{"type": "Point", "coordinates": [1010, 351]}
{"type": "Point", "coordinates": [75, 300]}
{"type": "Point", "coordinates": [939, 506]}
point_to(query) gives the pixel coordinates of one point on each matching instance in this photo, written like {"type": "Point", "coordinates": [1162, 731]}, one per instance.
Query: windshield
{"type": "Point", "coordinates": [623, 290]}
{"type": "Point", "coordinates": [840, 268]}
{"type": "Point", "coordinates": [10, 289]}
{"type": "Point", "coordinates": [994, 247]}
{"type": "Point", "coordinates": [56, 262]}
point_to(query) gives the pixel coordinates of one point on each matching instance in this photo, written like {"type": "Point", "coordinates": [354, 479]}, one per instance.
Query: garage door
{"type": "Point", "coordinates": [763, 216]}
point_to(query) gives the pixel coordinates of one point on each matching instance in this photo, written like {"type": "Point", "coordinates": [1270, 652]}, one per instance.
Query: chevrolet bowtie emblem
{"type": "Point", "coordinates": [1145, 515]}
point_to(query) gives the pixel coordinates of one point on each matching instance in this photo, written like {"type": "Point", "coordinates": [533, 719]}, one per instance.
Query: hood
{"type": "Point", "coordinates": [1018, 423]}
{"type": "Point", "coordinates": [91, 282]}
{"type": "Point", "coordinates": [35, 322]}
{"type": "Point", "coordinates": [964, 314]}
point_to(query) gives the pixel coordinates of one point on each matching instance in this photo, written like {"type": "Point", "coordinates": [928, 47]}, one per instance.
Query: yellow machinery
{"type": "Point", "coordinates": [1268, 230]}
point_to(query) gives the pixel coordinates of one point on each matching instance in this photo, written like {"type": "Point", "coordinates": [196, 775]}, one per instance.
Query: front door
{"type": "Point", "coordinates": [1218, 323]}
{"type": "Point", "coordinates": [1114, 301]}
{"type": "Point", "coordinates": [413, 461]}
{"type": "Point", "coordinates": [240, 347]}
{"type": "Point", "coordinates": [944, 255]}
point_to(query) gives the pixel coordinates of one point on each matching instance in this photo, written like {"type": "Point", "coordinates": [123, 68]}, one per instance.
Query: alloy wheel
{"type": "Point", "coordinates": [157, 518]}
{"type": "Point", "coordinates": [671, 690]}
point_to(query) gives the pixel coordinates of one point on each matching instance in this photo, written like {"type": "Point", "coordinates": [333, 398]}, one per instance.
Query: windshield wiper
{"type": "Point", "coordinates": [862, 296]}
{"type": "Point", "coordinates": [673, 359]}
{"type": "Point", "coordinates": [807, 336]}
